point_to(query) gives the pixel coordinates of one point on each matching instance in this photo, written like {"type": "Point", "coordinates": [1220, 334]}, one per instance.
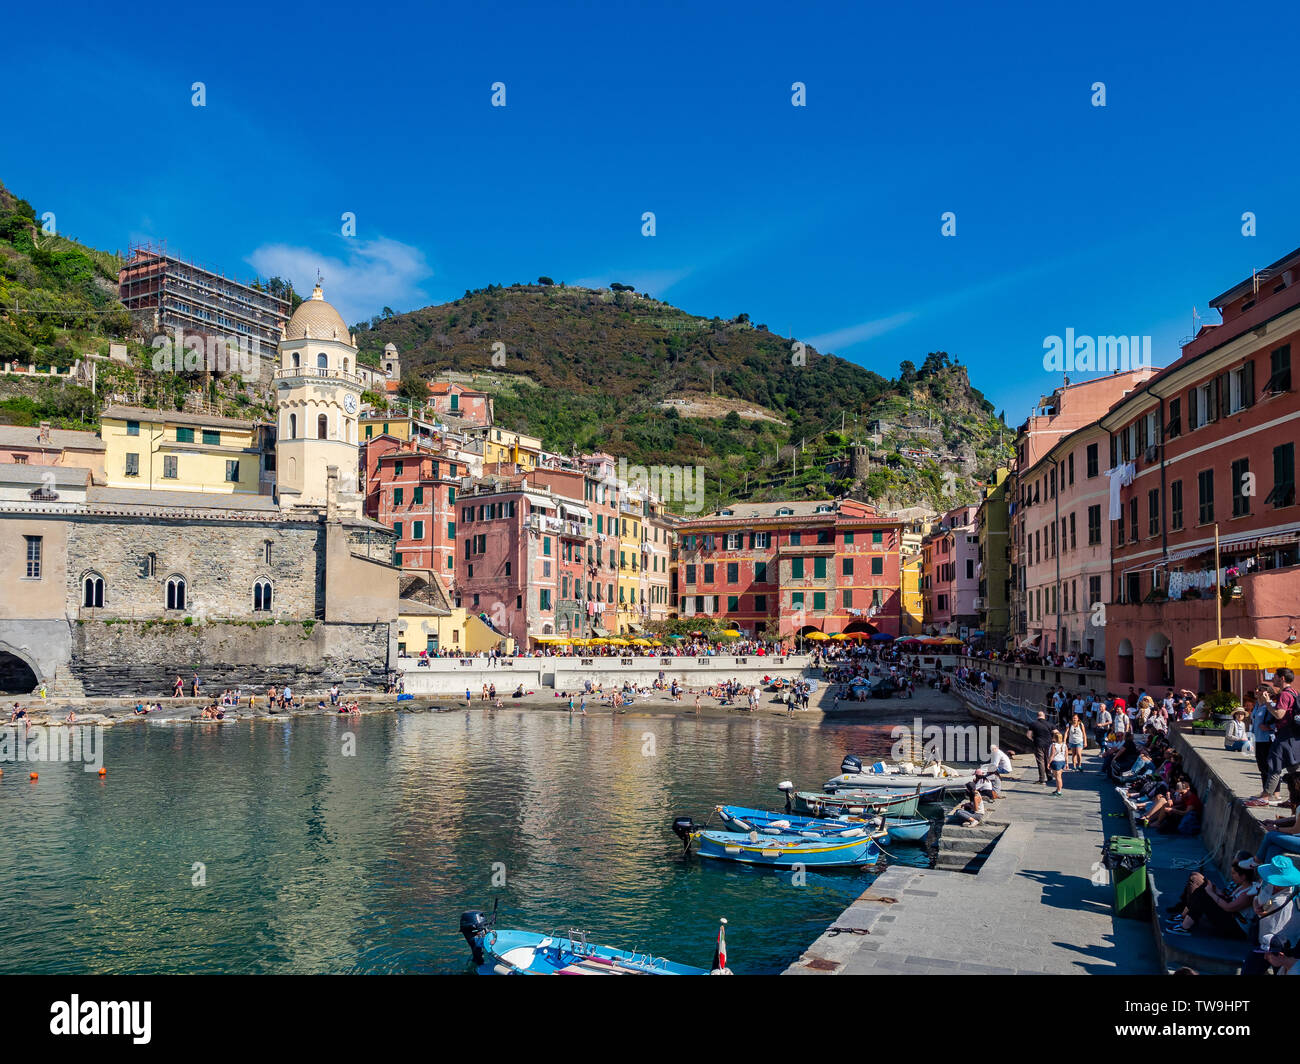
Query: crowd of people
{"type": "Point", "coordinates": [1259, 903]}
{"type": "Point", "coordinates": [670, 647]}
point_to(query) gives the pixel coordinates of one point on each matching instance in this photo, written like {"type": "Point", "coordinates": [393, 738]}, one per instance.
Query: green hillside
{"type": "Point", "coordinates": [590, 369]}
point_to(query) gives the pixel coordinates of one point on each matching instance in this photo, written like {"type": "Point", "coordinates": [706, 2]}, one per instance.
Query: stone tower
{"type": "Point", "coordinates": [318, 395]}
{"type": "Point", "coordinates": [392, 363]}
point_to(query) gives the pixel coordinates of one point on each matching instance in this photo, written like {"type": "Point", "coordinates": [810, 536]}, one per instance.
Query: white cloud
{"type": "Point", "coordinates": [370, 275]}
{"type": "Point", "coordinates": [855, 334]}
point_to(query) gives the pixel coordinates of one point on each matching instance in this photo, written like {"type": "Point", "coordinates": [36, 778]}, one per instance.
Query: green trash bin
{"type": "Point", "coordinates": [1126, 858]}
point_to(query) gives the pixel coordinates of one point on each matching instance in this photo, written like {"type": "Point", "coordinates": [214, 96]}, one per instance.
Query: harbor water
{"type": "Point", "coordinates": [353, 844]}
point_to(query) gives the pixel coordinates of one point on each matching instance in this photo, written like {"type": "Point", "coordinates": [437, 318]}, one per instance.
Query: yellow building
{"type": "Point", "coordinates": [913, 601]}
{"type": "Point", "coordinates": [504, 446]}
{"type": "Point", "coordinates": [179, 451]}
{"type": "Point", "coordinates": [631, 519]}
{"type": "Point", "coordinates": [423, 627]}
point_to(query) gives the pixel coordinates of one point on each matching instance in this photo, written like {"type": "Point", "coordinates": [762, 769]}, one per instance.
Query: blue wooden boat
{"type": "Point", "coordinates": [510, 952]}
{"type": "Point", "coordinates": [743, 819]}
{"type": "Point", "coordinates": [780, 851]}
{"type": "Point", "coordinates": [896, 829]}
{"type": "Point", "coordinates": [907, 829]}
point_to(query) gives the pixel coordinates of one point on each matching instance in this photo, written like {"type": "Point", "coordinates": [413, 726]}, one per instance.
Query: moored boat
{"type": "Point", "coordinates": [907, 829]}
{"type": "Point", "coordinates": [513, 952]}
{"type": "Point", "coordinates": [779, 851]}
{"type": "Point", "coordinates": [743, 819]}
{"type": "Point", "coordinates": [882, 776]}
{"type": "Point", "coordinates": [849, 803]}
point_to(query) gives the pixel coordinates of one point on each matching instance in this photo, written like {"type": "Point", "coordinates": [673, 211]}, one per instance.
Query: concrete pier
{"type": "Point", "coordinates": [1040, 901]}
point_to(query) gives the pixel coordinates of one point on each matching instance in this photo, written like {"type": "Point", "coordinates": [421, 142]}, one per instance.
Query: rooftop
{"type": "Point", "coordinates": [177, 417]}
{"type": "Point", "coordinates": [60, 439]}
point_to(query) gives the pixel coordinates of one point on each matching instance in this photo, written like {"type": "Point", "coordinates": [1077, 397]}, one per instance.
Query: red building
{"type": "Point", "coordinates": [806, 566]}
{"type": "Point", "coordinates": [1207, 446]}
{"type": "Point", "coordinates": [412, 488]}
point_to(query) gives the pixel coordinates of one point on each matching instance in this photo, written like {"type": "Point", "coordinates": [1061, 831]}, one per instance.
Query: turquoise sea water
{"type": "Point", "coordinates": [313, 861]}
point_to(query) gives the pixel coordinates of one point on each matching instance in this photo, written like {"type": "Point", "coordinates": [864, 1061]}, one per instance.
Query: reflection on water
{"type": "Point", "coordinates": [307, 860]}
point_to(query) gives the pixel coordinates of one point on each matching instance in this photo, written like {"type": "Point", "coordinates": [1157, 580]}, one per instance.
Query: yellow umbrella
{"type": "Point", "coordinates": [618, 642]}
{"type": "Point", "coordinates": [1235, 654]}
{"type": "Point", "coordinates": [839, 635]}
{"type": "Point", "coordinates": [641, 642]}
{"type": "Point", "coordinates": [817, 637]}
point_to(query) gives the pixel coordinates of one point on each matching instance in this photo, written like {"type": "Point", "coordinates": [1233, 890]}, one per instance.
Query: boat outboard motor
{"type": "Point", "coordinates": [684, 828]}
{"type": "Point", "coordinates": [851, 765]}
{"type": "Point", "coordinates": [787, 788]}
{"type": "Point", "coordinates": [474, 925]}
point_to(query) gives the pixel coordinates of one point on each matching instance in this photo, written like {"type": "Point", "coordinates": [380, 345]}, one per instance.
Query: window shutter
{"type": "Point", "coordinates": [1114, 452]}
{"type": "Point", "coordinates": [1191, 409]}
{"type": "Point", "coordinates": [1224, 387]}
{"type": "Point", "coordinates": [1248, 383]}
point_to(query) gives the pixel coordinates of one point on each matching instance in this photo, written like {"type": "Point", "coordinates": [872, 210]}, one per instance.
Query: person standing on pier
{"type": "Point", "coordinates": [1284, 752]}
{"type": "Point", "coordinates": [1074, 741]}
{"type": "Point", "coordinates": [1056, 756]}
{"type": "Point", "coordinates": [1102, 721]}
{"type": "Point", "coordinates": [1040, 733]}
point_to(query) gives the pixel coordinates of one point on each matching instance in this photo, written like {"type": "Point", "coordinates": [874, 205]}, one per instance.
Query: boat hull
{"type": "Point", "coordinates": [907, 829]}
{"type": "Point", "coordinates": [788, 851]}
{"type": "Point", "coordinates": [871, 781]}
{"type": "Point", "coordinates": [810, 803]}
{"type": "Point", "coordinates": [508, 952]}
{"type": "Point", "coordinates": [743, 819]}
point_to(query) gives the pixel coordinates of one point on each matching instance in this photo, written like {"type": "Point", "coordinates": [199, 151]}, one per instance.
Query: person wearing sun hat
{"type": "Point", "coordinates": [1234, 735]}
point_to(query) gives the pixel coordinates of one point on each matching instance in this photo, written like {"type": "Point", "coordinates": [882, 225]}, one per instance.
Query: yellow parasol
{"type": "Point", "coordinates": [817, 637]}
{"type": "Point", "coordinates": [1238, 654]}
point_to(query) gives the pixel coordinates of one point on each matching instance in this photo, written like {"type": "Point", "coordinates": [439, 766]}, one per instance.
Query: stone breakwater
{"type": "Point", "coordinates": [141, 659]}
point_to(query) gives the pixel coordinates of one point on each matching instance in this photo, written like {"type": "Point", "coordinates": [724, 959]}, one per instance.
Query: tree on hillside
{"type": "Point", "coordinates": [906, 372]}
{"type": "Point", "coordinates": [413, 388]}
{"type": "Point", "coordinates": [731, 421]}
{"type": "Point", "coordinates": [544, 280]}
{"type": "Point", "coordinates": [934, 362]}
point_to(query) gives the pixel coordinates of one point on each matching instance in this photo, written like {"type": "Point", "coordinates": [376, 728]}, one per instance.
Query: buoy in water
{"type": "Point", "coordinates": [34, 777]}
{"type": "Point", "coordinates": [103, 772]}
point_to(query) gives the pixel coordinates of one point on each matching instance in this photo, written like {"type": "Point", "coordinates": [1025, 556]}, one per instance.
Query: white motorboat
{"type": "Point", "coordinates": [897, 776]}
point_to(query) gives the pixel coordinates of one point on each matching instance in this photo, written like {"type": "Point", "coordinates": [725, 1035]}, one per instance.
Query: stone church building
{"type": "Point", "coordinates": [120, 589]}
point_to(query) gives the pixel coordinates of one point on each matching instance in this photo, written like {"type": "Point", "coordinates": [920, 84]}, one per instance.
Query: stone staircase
{"type": "Point", "coordinates": [966, 849]}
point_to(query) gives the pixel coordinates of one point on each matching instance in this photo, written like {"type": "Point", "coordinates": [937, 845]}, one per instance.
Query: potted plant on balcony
{"type": "Point", "coordinates": [1219, 705]}
{"type": "Point", "coordinates": [1192, 593]}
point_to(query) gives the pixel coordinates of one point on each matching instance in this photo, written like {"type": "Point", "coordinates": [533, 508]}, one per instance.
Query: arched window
{"type": "Point", "coordinates": [92, 590]}
{"type": "Point", "coordinates": [293, 426]}
{"type": "Point", "coordinates": [262, 596]}
{"type": "Point", "coordinates": [322, 362]}
{"type": "Point", "coordinates": [322, 428]}
{"type": "Point", "coordinates": [176, 592]}
{"type": "Point", "coordinates": [296, 360]}
{"type": "Point", "coordinates": [345, 365]}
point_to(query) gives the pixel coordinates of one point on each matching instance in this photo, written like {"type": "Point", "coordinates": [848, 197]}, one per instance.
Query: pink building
{"type": "Point", "coordinates": [455, 400]}
{"type": "Point", "coordinates": [1037, 594]}
{"type": "Point", "coordinates": [950, 573]}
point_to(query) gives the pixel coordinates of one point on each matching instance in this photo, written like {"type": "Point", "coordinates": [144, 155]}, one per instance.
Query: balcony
{"type": "Point", "coordinates": [316, 373]}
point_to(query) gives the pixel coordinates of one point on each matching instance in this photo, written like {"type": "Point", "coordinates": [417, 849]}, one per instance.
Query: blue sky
{"type": "Point", "coordinates": [822, 222]}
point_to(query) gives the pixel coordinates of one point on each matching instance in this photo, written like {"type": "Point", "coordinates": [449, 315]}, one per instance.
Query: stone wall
{"type": "Point", "coordinates": [142, 658]}
{"type": "Point", "coordinates": [220, 561]}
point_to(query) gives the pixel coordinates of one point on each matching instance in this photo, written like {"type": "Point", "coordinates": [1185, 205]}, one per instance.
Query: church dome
{"type": "Point", "coordinates": [316, 320]}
